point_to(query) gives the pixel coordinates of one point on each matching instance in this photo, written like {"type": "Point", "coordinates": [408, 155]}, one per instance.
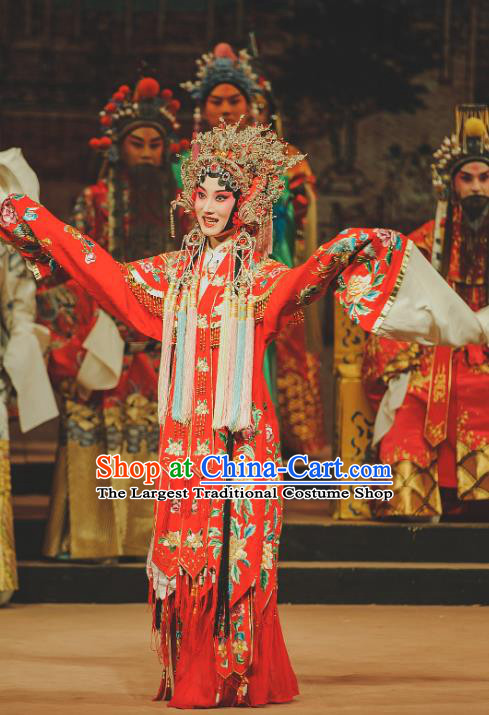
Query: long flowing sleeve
{"type": "Point", "coordinates": [45, 243]}
{"type": "Point", "coordinates": [384, 284]}
{"type": "Point", "coordinates": [23, 356]}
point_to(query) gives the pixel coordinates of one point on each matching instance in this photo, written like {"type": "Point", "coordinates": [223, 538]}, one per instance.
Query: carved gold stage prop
{"type": "Point", "coordinates": [354, 417]}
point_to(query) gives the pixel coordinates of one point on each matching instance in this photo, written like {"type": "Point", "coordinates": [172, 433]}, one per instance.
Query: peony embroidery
{"type": "Point", "coordinates": [358, 287]}
{"type": "Point", "coordinates": [389, 238]}
{"type": "Point", "coordinates": [361, 290]}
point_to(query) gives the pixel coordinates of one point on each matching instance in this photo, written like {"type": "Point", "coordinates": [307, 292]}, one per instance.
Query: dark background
{"type": "Point", "coordinates": [367, 86]}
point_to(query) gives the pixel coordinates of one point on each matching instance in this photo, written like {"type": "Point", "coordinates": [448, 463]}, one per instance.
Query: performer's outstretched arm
{"type": "Point", "coordinates": [384, 284]}
{"type": "Point", "coordinates": [45, 243]}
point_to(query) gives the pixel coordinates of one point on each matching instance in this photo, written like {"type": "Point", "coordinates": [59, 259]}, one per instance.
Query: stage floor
{"type": "Point", "coordinates": [356, 660]}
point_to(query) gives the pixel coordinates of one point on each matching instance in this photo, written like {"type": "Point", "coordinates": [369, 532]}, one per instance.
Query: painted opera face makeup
{"type": "Point", "coordinates": [213, 206]}
{"type": "Point", "coordinates": [225, 101]}
{"type": "Point", "coordinates": [143, 145]}
{"type": "Point", "coordinates": [472, 180]}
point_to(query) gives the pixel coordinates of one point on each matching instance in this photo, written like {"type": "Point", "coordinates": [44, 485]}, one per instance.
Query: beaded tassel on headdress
{"type": "Point", "coordinates": [223, 362]}
{"type": "Point", "coordinates": [231, 349]}
{"type": "Point", "coordinates": [180, 359]}
{"type": "Point", "coordinates": [236, 388]}
{"type": "Point", "coordinates": [245, 411]}
{"type": "Point", "coordinates": [166, 352]}
{"type": "Point", "coordinates": [187, 328]}
{"type": "Point", "coordinates": [189, 354]}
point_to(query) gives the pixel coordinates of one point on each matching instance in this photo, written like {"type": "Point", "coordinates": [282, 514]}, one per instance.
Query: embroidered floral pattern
{"type": "Point", "coordinates": [175, 447]}
{"type": "Point", "coordinates": [215, 535]}
{"type": "Point", "coordinates": [148, 267]}
{"type": "Point", "coordinates": [202, 365]}
{"type": "Point", "coordinates": [201, 407]}
{"type": "Point", "coordinates": [239, 645]}
{"type": "Point", "coordinates": [193, 540]}
{"type": "Point", "coordinates": [237, 548]}
{"type": "Point", "coordinates": [203, 448]}
{"type": "Point", "coordinates": [171, 540]}
{"type": "Point", "coordinates": [360, 290]}
{"type": "Point", "coordinates": [388, 238]}
{"type": "Point", "coordinates": [86, 244]}
{"type": "Point", "coordinates": [270, 548]}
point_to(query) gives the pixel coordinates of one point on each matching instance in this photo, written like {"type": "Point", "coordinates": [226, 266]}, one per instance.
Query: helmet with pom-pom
{"type": "Point", "coordinates": [222, 66]}
{"type": "Point", "coordinates": [126, 110]}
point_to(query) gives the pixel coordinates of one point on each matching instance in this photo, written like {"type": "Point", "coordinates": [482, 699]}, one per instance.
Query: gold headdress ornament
{"type": "Point", "coordinates": [252, 161]}
{"type": "Point", "coordinates": [469, 142]}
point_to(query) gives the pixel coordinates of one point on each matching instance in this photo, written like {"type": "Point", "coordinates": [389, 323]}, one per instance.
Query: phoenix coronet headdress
{"type": "Point", "coordinates": [251, 160]}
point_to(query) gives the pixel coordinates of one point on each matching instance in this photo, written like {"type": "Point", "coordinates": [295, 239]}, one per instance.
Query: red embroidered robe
{"type": "Point", "coordinates": [251, 666]}
{"type": "Point", "coordinates": [440, 435]}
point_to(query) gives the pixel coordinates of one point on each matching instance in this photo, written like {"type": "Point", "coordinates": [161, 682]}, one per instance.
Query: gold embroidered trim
{"type": "Point", "coordinates": [395, 290]}
{"type": "Point", "coordinates": [151, 302]}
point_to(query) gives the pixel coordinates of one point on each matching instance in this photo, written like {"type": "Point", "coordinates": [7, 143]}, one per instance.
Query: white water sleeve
{"type": "Point", "coordinates": [427, 311]}
{"type": "Point", "coordinates": [390, 403]}
{"type": "Point", "coordinates": [102, 365]}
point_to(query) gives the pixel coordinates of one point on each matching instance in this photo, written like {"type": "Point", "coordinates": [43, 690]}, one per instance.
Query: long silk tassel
{"type": "Point", "coordinates": [223, 360]}
{"type": "Point", "coordinates": [233, 336]}
{"type": "Point", "coordinates": [236, 393]}
{"type": "Point", "coordinates": [179, 359]}
{"type": "Point", "coordinates": [166, 351]}
{"type": "Point", "coordinates": [189, 356]}
{"type": "Point", "coordinates": [244, 420]}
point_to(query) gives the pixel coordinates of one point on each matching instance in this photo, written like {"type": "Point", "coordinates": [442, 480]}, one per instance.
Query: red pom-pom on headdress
{"type": "Point", "coordinates": [124, 89]}
{"type": "Point", "coordinates": [167, 94]}
{"type": "Point", "coordinates": [105, 142]}
{"type": "Point", "coordinates": [184, 145]}
{"type": "Point", "coordinates": [94, 143]}
{"type": "Point", "coordinates": [223, 49]}
{"type": "Point", "coordinates": [106, 120]}
{"type": "Point", "coordinates": [110, 107]}
{"type": "Point", "coordinates": [147, 88]}
{"type": "Point", "coordinates": [174, 105]}
{"type": "Point", "coordinates": [118, 96]}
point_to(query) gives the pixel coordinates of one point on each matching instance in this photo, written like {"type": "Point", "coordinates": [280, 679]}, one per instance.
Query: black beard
{"type": "Point", "coordinates": [474, 231]}
{"type": "Point", "coordinates": [474, 210]}
{"type": "Point", "coordinates": [147, 212]}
